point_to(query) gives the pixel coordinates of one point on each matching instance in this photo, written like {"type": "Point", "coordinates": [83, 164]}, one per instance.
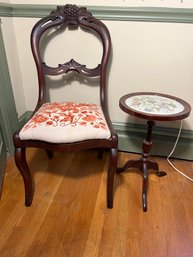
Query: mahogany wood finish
{"type": "Point", "coordinates": [69, 15]}
{"type": "Point", "coordinates": [144, 163]}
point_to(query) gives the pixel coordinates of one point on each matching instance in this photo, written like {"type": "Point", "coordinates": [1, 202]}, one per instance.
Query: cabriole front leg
{"type": "Point", "coordinates": [20, 160]}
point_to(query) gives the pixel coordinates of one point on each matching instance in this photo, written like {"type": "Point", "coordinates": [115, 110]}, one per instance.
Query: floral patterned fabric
{"type": "Point", "coordinates": [154, 104]}
{"type": "Point", "coordinates": [66, 123]}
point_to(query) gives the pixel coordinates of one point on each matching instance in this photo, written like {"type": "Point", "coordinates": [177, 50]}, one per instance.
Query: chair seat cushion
{"type": "Point", "coordinates": [66, 123]}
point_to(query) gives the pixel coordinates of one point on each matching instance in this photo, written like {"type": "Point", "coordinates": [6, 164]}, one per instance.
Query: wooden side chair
{"type": "Point", "coordinates": [68, 126]}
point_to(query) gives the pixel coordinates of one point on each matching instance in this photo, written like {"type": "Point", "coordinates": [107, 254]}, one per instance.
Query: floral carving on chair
{"type": "Point", "coordinates": [67, 114]}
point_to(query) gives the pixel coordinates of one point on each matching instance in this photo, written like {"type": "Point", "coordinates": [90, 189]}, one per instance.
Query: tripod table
{"type": "Point", "coordinates": [151, 107]}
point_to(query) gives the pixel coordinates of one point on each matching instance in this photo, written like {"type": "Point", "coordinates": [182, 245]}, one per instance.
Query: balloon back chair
{"type": "Point", "coordinates": [68, 126]}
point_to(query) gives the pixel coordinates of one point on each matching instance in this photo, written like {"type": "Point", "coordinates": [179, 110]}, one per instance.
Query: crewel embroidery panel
{"type": "Point", "coordinates": [154, 104]}
{"type": "Point", "coordinates": [67, 114]}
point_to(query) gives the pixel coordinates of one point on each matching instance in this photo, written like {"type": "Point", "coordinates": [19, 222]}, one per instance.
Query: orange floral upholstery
{"type": "Point", "coordinates": [66, 123]}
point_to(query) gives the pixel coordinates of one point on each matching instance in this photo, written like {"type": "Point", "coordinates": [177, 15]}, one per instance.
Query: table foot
{"type": "Point", "coordinates": [131, 164]}
{"type": "Point", "coordinates": [139, 164]}
{"type": "Point", "coordinates": [143, 166]}
{"type": "Point", "coordinates": [160, 173]}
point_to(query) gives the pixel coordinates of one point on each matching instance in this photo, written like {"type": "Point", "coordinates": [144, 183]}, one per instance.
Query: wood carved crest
{"type": "Point", "coordinates": [70, 13]}
{"type": "Point", "coordinates": [72, 65]}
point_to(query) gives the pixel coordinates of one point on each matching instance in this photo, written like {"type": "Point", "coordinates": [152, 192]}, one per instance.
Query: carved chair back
{"type": "Point", "coordinates": [71, 16]}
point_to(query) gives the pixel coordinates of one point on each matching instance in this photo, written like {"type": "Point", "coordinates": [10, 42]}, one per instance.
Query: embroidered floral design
{"type": "Point", "coordinates": [154, 104]}
{"type": "Point", "coordinates": [67, 114]}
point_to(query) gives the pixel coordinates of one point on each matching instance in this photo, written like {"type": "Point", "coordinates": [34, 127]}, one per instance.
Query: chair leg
{"type": "Point", "coordinates": [110, 177]}
{"type": "Point", "coordinates": [100, 153]}
{"type": "Point", "coordinates": [50, 154]}
{"type": "Point", "coordinates": [20, 160]}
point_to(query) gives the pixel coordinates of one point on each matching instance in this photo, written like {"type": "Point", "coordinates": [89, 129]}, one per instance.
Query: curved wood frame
{"type": "Point", "coordinates": [69, 15]}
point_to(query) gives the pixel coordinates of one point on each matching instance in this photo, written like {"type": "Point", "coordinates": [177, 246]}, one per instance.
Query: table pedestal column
{"type": "Point", "coordinates": [144, 164]}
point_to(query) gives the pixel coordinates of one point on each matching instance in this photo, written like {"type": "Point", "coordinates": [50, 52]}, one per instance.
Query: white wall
{"type": "Point", "coordinates": [146, 57]}
{"type": "Point", "coordinates": [151, 57]}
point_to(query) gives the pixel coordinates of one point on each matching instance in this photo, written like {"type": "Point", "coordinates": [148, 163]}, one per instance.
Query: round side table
{"type": "Point", "coordinates": [151, 107]}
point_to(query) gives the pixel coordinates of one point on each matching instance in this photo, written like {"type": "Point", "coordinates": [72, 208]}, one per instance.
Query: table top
{"type": "Point", "coordinates": [155, 106]}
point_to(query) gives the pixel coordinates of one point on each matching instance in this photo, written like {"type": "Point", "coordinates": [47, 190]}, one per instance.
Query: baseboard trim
{"type": "Point", "coordinates": [119, 13]}
{"type": "Point", "coordinates": [131, 137]}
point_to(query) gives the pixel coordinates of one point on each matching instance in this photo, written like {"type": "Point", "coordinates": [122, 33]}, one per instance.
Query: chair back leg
{"type": "Point", "coordinates": [110, 176]}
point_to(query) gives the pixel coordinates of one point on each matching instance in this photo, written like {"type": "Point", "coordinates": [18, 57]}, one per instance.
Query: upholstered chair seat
{"type": "Point", "coordinates": [66, 123]}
